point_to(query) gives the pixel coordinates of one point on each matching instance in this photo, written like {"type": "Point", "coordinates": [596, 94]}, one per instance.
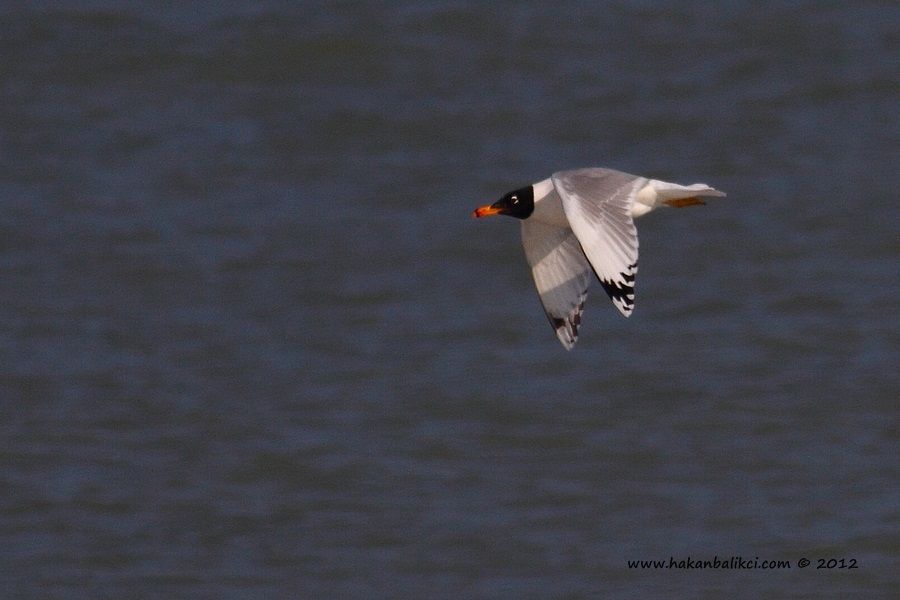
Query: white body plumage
{"type": "Point", "coordinates": [651, 193]}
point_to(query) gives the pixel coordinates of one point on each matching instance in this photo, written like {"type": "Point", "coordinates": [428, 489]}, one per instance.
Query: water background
{"type": "Point", "coordinates": [253, 346]}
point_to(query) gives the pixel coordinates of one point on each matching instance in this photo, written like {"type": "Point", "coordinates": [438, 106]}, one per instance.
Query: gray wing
{"type": "Point", "coordinates": [597, 203]}
{"type": "Point", "coordinates": [561, 273]}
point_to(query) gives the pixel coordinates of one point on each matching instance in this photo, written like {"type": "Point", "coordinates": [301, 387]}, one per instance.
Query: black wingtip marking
{"type": "Point", "coordinates": [620, 292]}
{"type": "Point", "coordinates": [576, 318]}
{"type": "Point", "coordinates": [569, 326]}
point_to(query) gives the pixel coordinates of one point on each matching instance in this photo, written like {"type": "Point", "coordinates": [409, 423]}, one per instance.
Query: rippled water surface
{"type": "Point", "coordinates": [253, 346]}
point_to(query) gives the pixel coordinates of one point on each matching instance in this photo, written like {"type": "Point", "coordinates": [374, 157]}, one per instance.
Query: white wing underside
{"type": "Point", "coordinates": [561, 273]}
{"type": "Point", "coordinates": [598, 204]}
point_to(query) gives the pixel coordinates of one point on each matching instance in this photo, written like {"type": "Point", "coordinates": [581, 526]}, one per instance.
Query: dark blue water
{"type": "Point", "coordinates": [253, 346]}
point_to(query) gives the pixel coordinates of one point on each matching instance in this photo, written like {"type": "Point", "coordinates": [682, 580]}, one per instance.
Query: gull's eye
{"type": "Point", "coordinates": [514, 200]}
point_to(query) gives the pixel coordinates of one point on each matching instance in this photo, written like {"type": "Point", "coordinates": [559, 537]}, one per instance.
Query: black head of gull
{"type": "Point", "coordinates": [517, 203]}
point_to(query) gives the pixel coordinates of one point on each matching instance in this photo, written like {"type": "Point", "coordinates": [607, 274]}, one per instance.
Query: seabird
{"type": "Point", "coordinates": [580, 221]}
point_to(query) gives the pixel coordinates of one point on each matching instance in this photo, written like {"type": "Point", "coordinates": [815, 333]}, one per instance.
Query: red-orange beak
{"type": "Point", "coordinates": [485, 211]}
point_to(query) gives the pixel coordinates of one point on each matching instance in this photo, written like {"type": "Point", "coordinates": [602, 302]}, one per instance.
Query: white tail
{"type": "Point", "coordinates": [655, 193]}
{"type": "Point", "coordinates": [673, 191]}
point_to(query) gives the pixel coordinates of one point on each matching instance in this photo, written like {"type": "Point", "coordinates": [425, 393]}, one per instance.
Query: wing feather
{"type": "Point", "coordinates": [597, 203]}
{"type": "Point", "coordinates": [561, 274]}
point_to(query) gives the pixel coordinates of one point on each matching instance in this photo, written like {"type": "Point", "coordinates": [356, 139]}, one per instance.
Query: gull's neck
{"type": "Point", "coordinates": [542, 188]}
{"type": "Point", "coordinates": [547, 205]}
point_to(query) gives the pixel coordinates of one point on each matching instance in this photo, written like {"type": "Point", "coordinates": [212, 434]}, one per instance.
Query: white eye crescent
{"type": "Point", "coordinates": [515, 200]}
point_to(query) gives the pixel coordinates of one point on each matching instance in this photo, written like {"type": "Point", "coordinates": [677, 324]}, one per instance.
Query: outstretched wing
{"type": "Point", "coordinates": [597, 203]}
{"type": "Point", "coordinates": [561, 273]}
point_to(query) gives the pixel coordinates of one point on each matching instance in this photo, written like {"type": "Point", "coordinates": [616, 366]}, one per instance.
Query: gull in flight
{"type": "Point", "coordinates": [580, 221]}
